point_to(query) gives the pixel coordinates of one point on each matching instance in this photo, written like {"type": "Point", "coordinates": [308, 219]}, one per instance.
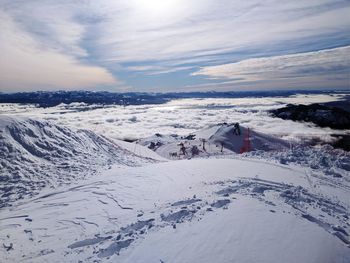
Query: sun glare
{"type": "Point", "coordinates": [157, 7]}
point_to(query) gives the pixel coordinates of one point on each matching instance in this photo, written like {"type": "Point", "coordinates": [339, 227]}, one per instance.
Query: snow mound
{"type": "Point", "coordinates": [218, 139]}
{"type": "Point", "coordinates": [332, 162]}
{"type": "Point", "coordinates": [35, 154]}
{"type": "Point", "coordinates": [258, 141]}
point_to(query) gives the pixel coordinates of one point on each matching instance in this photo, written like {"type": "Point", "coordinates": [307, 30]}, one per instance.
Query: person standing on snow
{"type": "Point", "coordinates": [183, 149]}
{"type": "Point", "coordinates": [203, 144]}
{"type": "Point", "coordinates": [237, 129]}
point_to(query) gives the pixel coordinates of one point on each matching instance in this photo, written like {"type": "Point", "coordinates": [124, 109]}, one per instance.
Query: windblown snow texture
{"type": "Point", "coordinates": [163, 210]}
{"type": "Point", "coordinates": [35, 154]}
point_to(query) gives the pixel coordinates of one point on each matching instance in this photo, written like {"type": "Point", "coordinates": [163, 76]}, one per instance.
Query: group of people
{"type": "Point", "coordinates": [183, 150]}
{"type": "Point", "coordinates": [195, 150]}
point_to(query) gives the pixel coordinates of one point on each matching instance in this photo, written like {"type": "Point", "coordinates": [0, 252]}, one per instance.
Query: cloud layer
{"type": "Point", "coordinates": [182, 116]}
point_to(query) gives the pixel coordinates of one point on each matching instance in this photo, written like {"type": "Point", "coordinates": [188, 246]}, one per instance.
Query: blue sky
{"type": "Point", "coordinates": [174, 45]}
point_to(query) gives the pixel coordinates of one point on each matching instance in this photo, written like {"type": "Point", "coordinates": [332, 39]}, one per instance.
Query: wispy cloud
{"type": "Point", "coordinates": [330, 62]}
{"type": "Point", "coordinates": [29, 64]}
{"type": "Point", "coordinates": [161, 37]}
{"type": "Point", "coordinates": [211, 27]}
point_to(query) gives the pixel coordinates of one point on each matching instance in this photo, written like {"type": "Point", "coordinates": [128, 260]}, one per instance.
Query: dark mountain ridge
{"type": "Point", "coordinates": [321, 115]}
{"type": "Point", "coordinates": [50, 99]}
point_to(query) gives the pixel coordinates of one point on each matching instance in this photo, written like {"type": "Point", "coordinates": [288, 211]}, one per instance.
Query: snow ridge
{"type": "Point", "coordinates": [35, 154]}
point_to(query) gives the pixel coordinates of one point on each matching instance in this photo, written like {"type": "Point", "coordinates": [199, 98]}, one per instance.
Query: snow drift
{"type": "Point", "coordinates": [331, 162]}
{"type": "Point", "coordinates": [35, 154]}
{"type": "Point", "coordinates": [199, 210]}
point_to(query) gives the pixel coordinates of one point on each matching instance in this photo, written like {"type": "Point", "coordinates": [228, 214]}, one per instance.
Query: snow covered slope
{"type": "Point", "coordinates": [199, 210]}
{"type": "Point", "coordinates": [258, 141]}
{"type": "Point", "coordinates": [274, 204]}
{"type": "Point", "coordinates": [320, 159]}
{"type": "Point", "coordinates": [219, 139]}
{"type": "Point", "coordinates": [35, 154]}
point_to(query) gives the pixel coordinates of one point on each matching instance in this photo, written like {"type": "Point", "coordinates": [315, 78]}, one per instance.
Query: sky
{"type": "Point", "coordinates": [174, 45]}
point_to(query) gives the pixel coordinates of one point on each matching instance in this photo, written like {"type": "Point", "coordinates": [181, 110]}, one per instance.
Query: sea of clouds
{"type": "Point", "coordinates": [182, 116]}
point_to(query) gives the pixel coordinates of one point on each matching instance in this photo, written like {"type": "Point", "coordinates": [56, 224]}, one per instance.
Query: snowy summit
{"type": "Point", "coordinates": [108, 200]}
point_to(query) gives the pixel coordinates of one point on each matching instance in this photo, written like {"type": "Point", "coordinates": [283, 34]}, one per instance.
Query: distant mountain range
{"type": "Point", "coordinates": [321, 115]}
{"type": "Point", "coordinates": [50, 99]}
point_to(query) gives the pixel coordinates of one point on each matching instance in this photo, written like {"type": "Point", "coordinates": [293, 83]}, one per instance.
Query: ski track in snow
{"type": "Point", "coordinates": [316, 209]}
{"type": "Point", "coordinates": [108, 236]}
{"type": "Point", "coordinates": [101, 218]}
